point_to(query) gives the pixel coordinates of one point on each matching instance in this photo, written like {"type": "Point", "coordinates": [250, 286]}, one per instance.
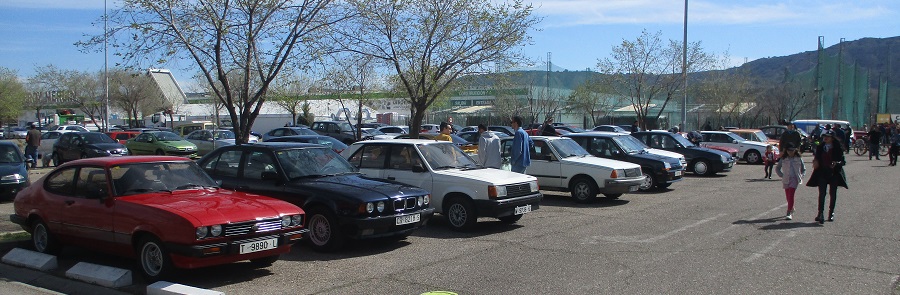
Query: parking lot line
{"type": "Point", "coordinates": [771, 246]}
{"type": "Point", "coordinates": [761, 215]}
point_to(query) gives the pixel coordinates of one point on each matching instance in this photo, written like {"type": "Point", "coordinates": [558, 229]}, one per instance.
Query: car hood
{"type": "Point", "coordinates": [106, 146]}
{"type": "Point", "coordinates": [13, 168]}
{"type": "Point", "coordinates": [213, 206]}
{"type": "Point", "coordinates": [356, 186]}
{"type": "Point", "coordinates": [487, 175]}
{"type": "Point", "coordinates": [178, 143]}
{"type": "Point", "coordinates": [665, 153]}
{"type": "Point", "coordinates": [591, 161]}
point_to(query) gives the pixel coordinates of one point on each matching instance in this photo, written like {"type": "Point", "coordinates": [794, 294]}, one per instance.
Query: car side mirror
{"type": "Point", "coordinates": [734, 141]}
{"type": "Point", "coordinates": [269, 175]}
{"type": "Point", "coordinates": [418, 168]}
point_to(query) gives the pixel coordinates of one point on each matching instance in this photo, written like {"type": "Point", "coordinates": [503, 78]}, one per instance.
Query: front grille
{"type": "Point", "coordinates": [517, 190]}
{"type": "Point", "coordinates": [406, 204]}
{"type": "Point", "coordinates": [250, 227]}
{"type": "Point", "coordinates": [634, 172]}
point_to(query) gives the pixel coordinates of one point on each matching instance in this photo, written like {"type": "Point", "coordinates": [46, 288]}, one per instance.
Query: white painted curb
{"type": "Point", "coordinates": [102, 275]}
{"type": "Point", "coordinates": [167, 288]}
{"type": "Point", "coordinates": [30, 259]}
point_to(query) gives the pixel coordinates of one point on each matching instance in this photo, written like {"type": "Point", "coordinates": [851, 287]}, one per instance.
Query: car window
{"type": "Point", "coordinates": [50, 135]}
{"type": "Point", "coordinates": [138, 178]}
{"type": "Point", "coordinates": [10, 154]}
{"type": "Point", "coordinates": [91, 183]}
{"type": "Point", "coordinates": [540, 150]}
{"type": "Point", "coordinates": [445, 155]}
{"type": "Point", "coordinates": [61, 181]}
{"type": "Point", "coordinates": [370, 156]}
{"type": "Point", "coordinates": [124, 136]}
{"type": "Point", "coordinates": [226, 164]}
{"type": "Point", "coordinates": [258, 163]}
{"type": "Point", "coordinates": [305, 162]}
{"type": "Point", "coordinates": [404, 158]}
{"type": "Point", "coordinates": [277, 132]}
{"type": "Point", "coordinates": [96, 137]}
{"type": "Point", "coordinates": [143, 137]}
{"type": "Point", "coordinates": [601, 147]}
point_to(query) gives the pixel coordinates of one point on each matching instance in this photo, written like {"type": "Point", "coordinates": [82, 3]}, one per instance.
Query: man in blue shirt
{"type": "Point", "coordinates": [521, 147]}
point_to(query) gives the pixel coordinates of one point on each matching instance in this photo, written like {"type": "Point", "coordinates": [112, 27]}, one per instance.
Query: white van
{"type": "Point", "coordinates": [810, 125]}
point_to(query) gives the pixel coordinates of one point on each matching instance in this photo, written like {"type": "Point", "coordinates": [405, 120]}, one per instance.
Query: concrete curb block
{"type": "Point", "coordinates": [167, 288]}
{"type": "Point", "coordinates": [30, 259]}
{"type": "Point", "coordinates": [102, 275]}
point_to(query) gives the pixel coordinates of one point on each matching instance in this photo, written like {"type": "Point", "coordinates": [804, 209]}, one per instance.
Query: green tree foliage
{"type": "Point", "coordinates": [135, 93]}
{"type": "Point", "coordinates": [430, 43]}
{"type": "Point", "coordinates": [12, 95]}
{"type": "Point", "coordinates": [76, 89]}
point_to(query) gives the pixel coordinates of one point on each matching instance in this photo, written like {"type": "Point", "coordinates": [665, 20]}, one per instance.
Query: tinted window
{"type": "Point", "coordinates": [602, 147]}
{"type": "Point", "coordinates": [257, 163]}
{"type": "Point", "coordinates": [404, 158]}
{"type": "Point", "coordinates": [10, 154]}
{"type": "Point", "coordinates": [312, 162]}
{"type": "Point", "coordinates": [61, 182]}
{"type": "Point", "coordinates": [96, 137]}
{"type": "Point", "coordinates": [91, 183]}
{"type": "Point", "coordinates": [226, 164]}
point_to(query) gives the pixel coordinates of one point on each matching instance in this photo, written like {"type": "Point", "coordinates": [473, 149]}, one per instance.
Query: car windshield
{"type": "Point", "coordinates": [762, 136]}
{"type": "Point", "coordinates": [167, 136]}
{"type": "Point", "coordinates": [345, 127]}
{"type": "Point", "coordinates": [683, 141]}
{"type": "Point", "coordinates": [312, 162]}
{"type": "Point", "coordinates": [445, 156]}
{"type": "Point", "coordinates": [372, 131]}
{"type": "Point", "coordinates": [305, 131]}
{"type": "Point", "coordinates": [629, 144]}
{"type": "Point", "coordinates": [568, 148]}
{"type": "Point", "coordinates": [9, 154]}
{"type": "Point", "coordinates": [735, 137]}
{"type": "Point", "coordinates": [138, 178]}
{"type": "Point", "coordinates": [329, 142]}
{"type": "Point", "coordinates": [223, 134]}
{"type": "Point", "coordinates": [96, 137]}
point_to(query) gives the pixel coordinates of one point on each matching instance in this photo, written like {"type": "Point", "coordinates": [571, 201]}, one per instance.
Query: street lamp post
{"type": "Point", "coordinates": [105, 69]}
{"type": "Point", "coordinates": [684, 70]}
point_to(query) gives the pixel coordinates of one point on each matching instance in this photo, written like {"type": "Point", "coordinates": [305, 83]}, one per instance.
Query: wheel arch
{"type": "Point", "coordinates": [582, 176]}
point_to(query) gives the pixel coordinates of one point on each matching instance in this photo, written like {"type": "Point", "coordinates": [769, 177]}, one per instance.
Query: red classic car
{"type": "Point", "coordinates": [163, 210]}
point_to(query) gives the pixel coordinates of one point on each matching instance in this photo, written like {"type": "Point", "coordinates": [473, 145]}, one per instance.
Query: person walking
{"type": "Point", "coordinates": [547, 129]}
{"type": "Point", "coordinates": [635, 127]}
{"type": "Point", "coordinates": [444, 133]}
{"type": "Point", "coordinates": [768, 161]}
{"type": "Point", "coordinates": [32, 142]}
{"type": "Point", "coordinates": [828, 173]}
{"type": "Point", "coordinates": [521, 147]}
{"type": "Point", "coordinates": [874, 141]}
{"type": "Point", "coordinates": [791, 170]}
{"type": "Point", "coordinates": [895, 146]}
{"type": "Point", "coordinates": [488, 148]}
{"type": "Point", "coordinates": [839, 136]}
{"type": "Point", "coordinates": [790, 136]}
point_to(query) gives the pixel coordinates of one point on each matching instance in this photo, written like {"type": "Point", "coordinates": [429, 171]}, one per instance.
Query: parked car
{"type": "Point", "coordinates": [340, 130]}
{"type": "Point", "coordinates": [340, 202]}
{"type": "Point", "coordinates": [460, 189]}
{"type": "Point", "coordinates": [465, 145]}
{"type": "Point", "coordinates": [660, 171]}
{"type": "Point", "coordinates": [13, 171]}
{"type": "Point", "coordinates": [430, 128]}
{"type": "Point", "coordinates": [775, 132]}
{"type": "Point", "coordinates": [755, 135]}
{"type": "Point", "coordinates": [504, 129]}
{"type": "Point", "coordinates": [161, 143]}
{"type": "Point", "coordinates": [560, 164]}
{"type": "Point", "coordinates": [122, 136]}
{"type": "Point", "coordinates": [569, 128]}
{"type": "Point", "coordinates": [76, 128]}
{"type": "Point", "coordinates": [372, 133]}
{"type": "Point", "coordinates": [15, 132]}
{"type": "Point", "coordinates": [163, 210]}
{"type": "Point", "coordinates": [468, 129]}
{"type": "Point", "coordinates": [45, 150]}
{"type": "Point", "coordinates": [372, 125]}
{"type": "Point", "coordinates": [327, 141]}
{"type": "Point", "coordinates": [611, 128]}
{"type": "Point", "coordinates": [79, 145]}
{"type": "Point", "coordinates": [394, 130]}
{"type": "Point", "coordinates": [749, 151]}
{"type": "Point", "coordinates": [538, 131]}
{"type": "Point", "coordinates": [287, 131]}
{"type": "Point", "coordinates": [700, 160]}
{"type": "Point", "coordinates": [208, 140]}
{"type": "Point", "coordinates": [184, 129]}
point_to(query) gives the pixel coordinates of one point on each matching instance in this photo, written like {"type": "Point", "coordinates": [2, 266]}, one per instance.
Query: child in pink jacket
{"type": "Point", "coordinates": [791, 170]}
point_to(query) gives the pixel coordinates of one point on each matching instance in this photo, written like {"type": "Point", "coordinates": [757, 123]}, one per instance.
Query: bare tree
{"type": "Point", "coordinates": [731, 92]}
{"type": "Point", "coordinates": [12, 95]}
{"type": "Point", "coordinates": [290, 91]}
{"type": "Point", "coordinates": [430, 43]}
{"type": "Point", "coordinates": [240, 47]}
{"type": "Point", "coordinates": [135, 93]}
{"type": "Point", "coordinates": [789, 98]}
{"type": "Point", "coordinates": [589, 98]}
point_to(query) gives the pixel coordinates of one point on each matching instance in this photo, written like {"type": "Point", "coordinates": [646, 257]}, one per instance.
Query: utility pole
{"type": "Point", "coordinates": [684, 71]}
{"type": "Point", "coordinates": [105, 69]}
{"type": "Point", "coordinates": [818, 89]}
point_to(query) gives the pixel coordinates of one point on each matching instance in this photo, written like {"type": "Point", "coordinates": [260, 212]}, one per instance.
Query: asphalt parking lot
{"type": "Point", "coordinates": [721, 234]}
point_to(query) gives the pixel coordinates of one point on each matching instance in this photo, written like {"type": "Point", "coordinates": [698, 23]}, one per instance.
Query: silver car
{"type": "Point", "coordinates": [208, 140]}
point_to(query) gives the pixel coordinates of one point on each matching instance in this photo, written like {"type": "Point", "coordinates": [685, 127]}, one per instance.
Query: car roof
{"type": "Point", "coordinates": [716, 131]}
{"type": "Point", "coordinates": [744, 130]}
{"type": "Point", "coordinates": [9, 143]}
{"type": "Point", "coordinates": [596, 134]}
{"type": "Point", "coordinates": [279, 145]}
{"type": "Point", "coordinates": [299, 137]}
{"type": "Point", "coordinates": [111, 161]}
{"type": "Point", "coordinates": [402, 141]}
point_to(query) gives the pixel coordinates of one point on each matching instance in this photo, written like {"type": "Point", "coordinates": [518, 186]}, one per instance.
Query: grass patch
{"type": "Point", "coordinates": [16, 236]}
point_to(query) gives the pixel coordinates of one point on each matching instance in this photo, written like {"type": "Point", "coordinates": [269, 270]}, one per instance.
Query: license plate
{"type": "Point", "coordinates": [259, 246]}
{"type": "Point", "coordinates": [522, 210]}
{"type": "Point", "coordinates": [633, 188]}
{"type": "Point", "coordinates": [407, 219]}
{"type": "Point", "coordinates": [679, 173]}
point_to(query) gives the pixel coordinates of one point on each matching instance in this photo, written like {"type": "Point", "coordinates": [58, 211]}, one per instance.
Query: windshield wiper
{"type": "Point", "coordinates": [472, 167]}
{"type": "Point", "coordinates": [189, 185]}
{"type": "Point", "coordinates": [445, 167]}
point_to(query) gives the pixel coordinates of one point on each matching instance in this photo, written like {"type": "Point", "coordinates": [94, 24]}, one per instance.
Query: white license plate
{"type": "Point", "coordinates": [259, 246]}
{"type": "Point", "coordinates": [679, 173]}
{"type": "Point", "coordinates": [522, 210]}
{"type": "Point", "coordinates": [633, 188]}
{"type": "Point", "coordinates": [407, 219]}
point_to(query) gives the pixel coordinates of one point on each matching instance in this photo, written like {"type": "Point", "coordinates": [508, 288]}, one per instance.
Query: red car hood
{"type": "Point", "coordinates": [213, 206]}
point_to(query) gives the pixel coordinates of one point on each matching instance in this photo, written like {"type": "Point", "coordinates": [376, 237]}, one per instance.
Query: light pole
{"type": "Point", "coordinates": [684, 71]}
{"type": "Point", "coordinates": [105, 69]}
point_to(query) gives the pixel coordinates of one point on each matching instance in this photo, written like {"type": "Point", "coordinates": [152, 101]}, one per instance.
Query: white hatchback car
{"type": "Point", "coordinates": [750, 151]}
{"type": "Point", "coordinates": [460, 189]}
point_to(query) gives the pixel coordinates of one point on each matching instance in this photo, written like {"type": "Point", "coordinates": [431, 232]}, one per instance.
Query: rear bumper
{"type": "Point", "coordinates": [507, 207]}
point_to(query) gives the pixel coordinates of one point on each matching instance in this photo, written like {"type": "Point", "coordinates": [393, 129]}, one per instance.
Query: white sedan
{"type": "Point", "coordinates": [750, 151]}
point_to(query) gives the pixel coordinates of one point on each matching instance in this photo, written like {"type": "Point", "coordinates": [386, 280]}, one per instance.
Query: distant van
{"type": "Point", "coordinates": [810, 125]}
{"type": "Point", "coordinates": [184, 129]}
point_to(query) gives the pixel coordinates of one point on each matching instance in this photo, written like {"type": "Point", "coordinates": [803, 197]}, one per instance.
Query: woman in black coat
{"type": "Point", "coordinates": [828, 170]}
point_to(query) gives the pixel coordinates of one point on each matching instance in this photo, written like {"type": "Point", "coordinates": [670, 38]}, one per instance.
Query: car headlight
{"type": "Point", "coordinates": [533, 185]}
{"type": "Point", "coordinates": [496, 191]}
{"type": "Point", "coordinates": [420, 201]}
{"type": "Point", "coordinates": [426, 199]}
{"type": "Point", "coordinates": [13, 177]}
{"type": "Point", "coordinates": [381, 206]}
{"type": "Point", "coordinates": [285, 221]}
{"type": "Point", "coordinates": [297, 220]}
{"type": "Point", "coordinates": [215, 230]}
{"type": "Point", "coordinates": [724, 158]}
{"type": "Point", "coordinates": [667, 166]}
{"type": "Point", "coordinates": [202, 232]}
{"type": "Point", "coordinates": [370, 207]}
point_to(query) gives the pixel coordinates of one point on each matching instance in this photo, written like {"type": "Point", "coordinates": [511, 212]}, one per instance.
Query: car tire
{"type": "Point", "coordinates": [612, 196]}
{"type": "Point", "coordinates": [460, 213]}
{"type": "Point", "coordinates": [153, 259]}
{"type": "Point", "coordinates": [648, 183]}
{"type": "Point", "coordinates": [47, 160]}
{"type": "Point", "coordinates": [42, 240]}
{"type": "Point", "coordinates": [583, 190]}
{"type": "Point", "coordinates": [511, 218]}
{"type": "Point", "coordinates": [56, 160]}
{"type": "Point", "coordinates": [160, 153]}
{"type": "Point", "coordinates": [324, 232]}
{"type": "Point", "coordinates": [265, 261]}
{"type": "Point", "coordinates": [701, 167]}
{"type": "Point", "coordinates": [753, 157]}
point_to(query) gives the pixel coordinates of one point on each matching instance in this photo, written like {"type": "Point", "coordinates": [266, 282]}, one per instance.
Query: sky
{"type": "Point", "coordinates": [36, 33]}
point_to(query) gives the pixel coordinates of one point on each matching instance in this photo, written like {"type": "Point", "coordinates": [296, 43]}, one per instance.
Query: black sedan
{"type": "Point", "coordinates": [79, 145]}
{"type": "Point", "coordinates": [336, 145]}
{"type": "Point", "coordinates": [13, 174]}
{"type": "Point", "coordinates": [660, 171]}
{"type": "Point", "coordinates": [701, 160]}
{"type": "Point", "coordinates": [340, 203]}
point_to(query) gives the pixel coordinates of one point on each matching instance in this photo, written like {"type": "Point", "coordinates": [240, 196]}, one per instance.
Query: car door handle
{"type": "Point", "coordinates": [391, 178]}
{"type": "Point", "coordinates": [70, 202]}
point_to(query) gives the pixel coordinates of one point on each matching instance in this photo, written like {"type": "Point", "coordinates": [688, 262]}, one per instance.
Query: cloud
{"type": "Point", "coordinates": [801, 12]}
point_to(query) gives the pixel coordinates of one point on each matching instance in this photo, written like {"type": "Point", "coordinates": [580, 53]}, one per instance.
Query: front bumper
{"type": "Point", "coordinates": [723, 166]}
{"type": "Point", "coordinates": [223, 252]}
{"type": "Point", "coordinates": [621, 186]}
{"type": "Point", "coordinates": [671, 176]}
{"type": "Point", "coordinates": [9, 190]}
{"type": "Point", "coordinates": [383, 226]}
{"type": "Point", "coordinates": [507, 207]}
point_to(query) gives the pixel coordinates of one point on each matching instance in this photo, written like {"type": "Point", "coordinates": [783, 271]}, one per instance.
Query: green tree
{"type": "Point", "coordinates": [76, 89]}
{"type": "Point", "coordinates": [240, 47]}
{"type": "Point", "coordinates": [12, 95]}
{"type": "Point", "coordinates": [428, 44]}
{"type": "Point", "coordinates": [290, 91]}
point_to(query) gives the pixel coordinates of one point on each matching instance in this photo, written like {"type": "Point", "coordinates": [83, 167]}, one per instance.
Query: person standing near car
{"type": "Point", "coordinates": [828, 173]}
{"type": "Point", "coordinates": [32, 142]}
{"type": "Point", "coordinates": [874, 142]}
{"type": "Point", "coordinates": [521, 147]}
{"type": "Point", "coordinates": [488, 148]}
{"type": "Point", "coordinates": [445, 133]}
{"type": "Point", "coordinates": [791, 170]}
{"type": "Point", "coordinates": [548, 129]}
{"type": "Point", "coordinates": [790, 136]}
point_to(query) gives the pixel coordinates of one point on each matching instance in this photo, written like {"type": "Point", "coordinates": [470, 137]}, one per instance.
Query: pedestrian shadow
{"type": "Point", "coordinates": [762, 179]}
{"type": "Point", "coordinates": [755, 221]}
{"type": "Point", "coordinates": [790, 225]}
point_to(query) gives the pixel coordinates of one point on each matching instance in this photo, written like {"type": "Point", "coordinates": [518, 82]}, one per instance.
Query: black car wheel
{"type": "Point", "coordinates": [56, 159]}
{"type": "Point", "coordinates": [41, 238]}
{"type": "Point", "coordinates": [647, 184]}
{"type": "Point", "coordinates": [324, 232]}
{"type": "Point", "coordinates": [752, 157]}
{"type": "Point", "coordinates": [701, 167]}
{"type": "Point", "coordinates": [583, 189]}
{"type": "Point", "coordinates": [154, 260]}
{"type": "Point", "coordinates": [460, 213]}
